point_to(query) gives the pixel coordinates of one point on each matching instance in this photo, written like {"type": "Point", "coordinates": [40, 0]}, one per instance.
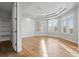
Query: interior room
{"type": "Point", "coordinates": [49, 29]}
{"type": "Point", "coordinates": [39, 29]}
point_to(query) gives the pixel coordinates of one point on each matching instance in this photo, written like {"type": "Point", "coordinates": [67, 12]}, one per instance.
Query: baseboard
{"type": "Point", "coordinates": [52, 37]}
{"type": "Point", "coordinates": [64, 39]}
{"type": "Point", "coordinates": [4, 39]}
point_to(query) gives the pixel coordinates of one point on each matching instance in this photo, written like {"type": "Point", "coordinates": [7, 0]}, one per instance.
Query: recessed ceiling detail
{"type": "Point", "coordinates": [58, 12]}
{"type": "Point", "coordinates": [45, 9]}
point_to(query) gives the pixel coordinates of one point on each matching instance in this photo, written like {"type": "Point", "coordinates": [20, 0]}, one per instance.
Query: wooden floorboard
{"type": "Point", "coordinates": [41, 46]}
{"type": "Point", "coordinates": [6, 49]}
{"type": "Point", "coordinates": [47, 46]}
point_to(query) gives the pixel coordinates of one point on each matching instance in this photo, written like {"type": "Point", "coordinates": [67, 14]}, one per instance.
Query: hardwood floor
{"type": "Point", "coordinates": [40, 46]}
{"type": "Point", "coordinates": [6, 49]}
{"type": "Point", "coordinates": [47, 46]}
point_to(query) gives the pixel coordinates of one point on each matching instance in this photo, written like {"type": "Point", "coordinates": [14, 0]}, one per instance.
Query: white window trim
{"type": "Point", "coordinates": [67, 22]}
{"type": "Point", "coordinates": [53, 27]}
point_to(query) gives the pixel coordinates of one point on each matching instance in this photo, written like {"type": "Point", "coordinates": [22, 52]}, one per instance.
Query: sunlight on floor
{"type": "Point", "coordinates": [43, 47]}
{"type": "Point", "coordinates": [76, 54]}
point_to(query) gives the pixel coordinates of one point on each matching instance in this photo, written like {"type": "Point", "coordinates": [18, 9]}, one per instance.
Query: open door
{"type": "Point", "coordinates": [14, 27]}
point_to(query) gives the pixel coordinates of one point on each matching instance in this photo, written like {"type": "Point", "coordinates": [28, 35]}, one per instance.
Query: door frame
{"type": "Point", "coordinates": [15, 5]}
{"type": "Point", "coordinates": [16, 26]}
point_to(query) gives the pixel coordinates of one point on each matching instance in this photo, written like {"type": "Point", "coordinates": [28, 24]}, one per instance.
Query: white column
{"type": "Point", "coordinates": [19, 40]}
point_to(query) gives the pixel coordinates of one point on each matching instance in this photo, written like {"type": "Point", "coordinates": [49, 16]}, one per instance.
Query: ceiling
{"type": "Point", "coordinates": [6, 6]}
{"type": "Point", "coordinates": [39, 9]}
{"type": "Point", "coordinates": [45, 9]}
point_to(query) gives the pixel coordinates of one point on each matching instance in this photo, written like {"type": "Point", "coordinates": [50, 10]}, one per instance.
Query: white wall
{"type": "Point", "coordinates": [5, 25]}
{"type": "Point", "coordinates": [27, 27]}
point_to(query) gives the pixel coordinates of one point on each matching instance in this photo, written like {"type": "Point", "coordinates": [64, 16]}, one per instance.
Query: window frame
{"type": "Point", "coordinates": [71, 15]}
{"type": "Point", "coordinates": [67, 23]}
{"type": "Point", "coordinates": [52, 23]}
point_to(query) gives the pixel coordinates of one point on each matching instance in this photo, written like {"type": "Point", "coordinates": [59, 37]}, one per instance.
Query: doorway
{"type": "Point", "coordinates": [8, 32]}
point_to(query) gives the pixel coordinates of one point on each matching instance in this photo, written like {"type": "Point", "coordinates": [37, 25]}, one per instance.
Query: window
{"type": "Point", "coordinates": [52, 25]}
{"type": "Point", "coordinates": [68, 23]}
{"type": "Point", "coordinates": [64, 25]}
{"type": "Point", "coordinates": [70, 19]}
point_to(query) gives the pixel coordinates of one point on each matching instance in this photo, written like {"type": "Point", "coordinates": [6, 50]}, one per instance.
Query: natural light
{"type": "Point", "coordinates": [43, 48]}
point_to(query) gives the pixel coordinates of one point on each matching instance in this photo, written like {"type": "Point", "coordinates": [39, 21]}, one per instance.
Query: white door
{"type": "Point", "coordinates": [14, 28]}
